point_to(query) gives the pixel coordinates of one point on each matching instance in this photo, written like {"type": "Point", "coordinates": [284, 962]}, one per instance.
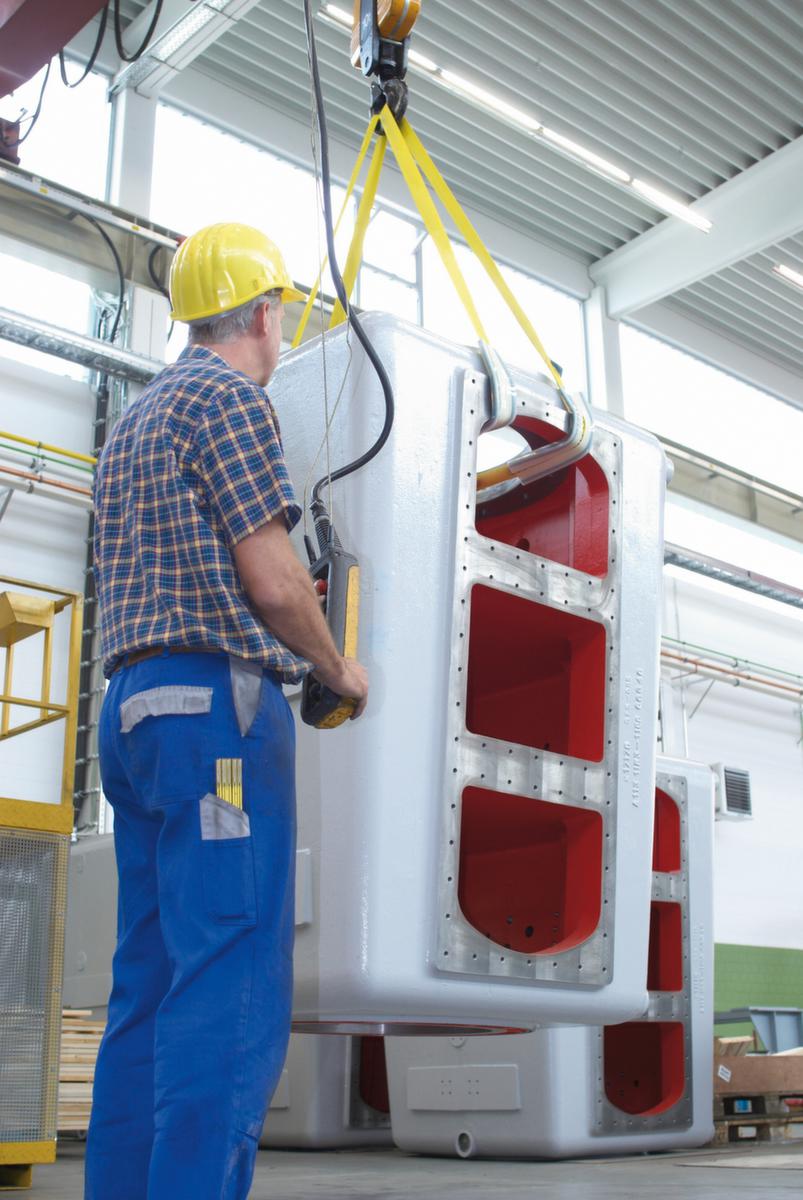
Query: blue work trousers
{"type": "Point", "coordinates": [199, 1016]}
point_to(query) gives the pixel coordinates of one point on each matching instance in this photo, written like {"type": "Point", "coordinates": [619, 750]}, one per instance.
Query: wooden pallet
{"type": "Point", "coordinates": [769, 1117]}
{"type": "Point", "coordinates": [80, 1040]}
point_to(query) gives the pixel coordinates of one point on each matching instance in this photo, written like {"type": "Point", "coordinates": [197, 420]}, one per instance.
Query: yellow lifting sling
{"type": "Point", "coordinates": [418, 171]}
{"type": "Point", "coordinates": [379, 46]}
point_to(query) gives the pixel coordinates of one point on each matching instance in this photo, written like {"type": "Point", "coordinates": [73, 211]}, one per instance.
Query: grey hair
{"type": "Point", "coordinates": [233, 324]}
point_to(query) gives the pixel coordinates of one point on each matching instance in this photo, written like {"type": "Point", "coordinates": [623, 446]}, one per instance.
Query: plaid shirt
{"type": "Point", "coordinates": [193, 467]}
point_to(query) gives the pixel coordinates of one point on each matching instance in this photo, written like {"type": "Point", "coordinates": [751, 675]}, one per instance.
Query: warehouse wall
{"type": "Point", "coordinates": [43, 541]}
{"type": "Point", "coordinates": [761, 976]}
{"type": "Point", "coordinates": [758, 884]}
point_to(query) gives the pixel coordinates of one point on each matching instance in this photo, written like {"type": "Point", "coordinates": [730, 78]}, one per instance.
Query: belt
{"type": "Point", "coordinates": [135, 656]}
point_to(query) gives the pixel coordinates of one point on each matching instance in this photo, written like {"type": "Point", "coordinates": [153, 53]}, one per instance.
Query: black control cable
{"type": "Point", "coordinates": [118, 33]}
{"type": "Point", "coordinates": [317, 506]}
{"type": "Point", "coordinates": [13, 146]}
{"type": "Point", "coordinates": [118, 266]}
{"type": "Point", "coordinates": [157, 283]}
{"type": "Point", "coordinates": [155, 280]}
{"type": "Point", "coordinates": [93, 58]}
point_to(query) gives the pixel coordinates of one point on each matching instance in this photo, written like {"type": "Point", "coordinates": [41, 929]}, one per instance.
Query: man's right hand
{"type": "Point", "coordinates": [350, 681]}
{"type": "Point", "coordinates": [282, 593]}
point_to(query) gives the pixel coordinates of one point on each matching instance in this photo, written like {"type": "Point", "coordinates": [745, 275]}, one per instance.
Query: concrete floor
{"type": "Point", "coordinates": [739, 1173]}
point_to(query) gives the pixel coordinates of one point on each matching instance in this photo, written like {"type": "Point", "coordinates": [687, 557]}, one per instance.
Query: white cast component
{"type": "Point", "coordinates": [513, 656]}
{"type": "Point", "coordinates": [643, 1085]}
{"type": "Point", "coordinates": [332, 1093]}
{"type": "Point", "coordinates": [91, 928]}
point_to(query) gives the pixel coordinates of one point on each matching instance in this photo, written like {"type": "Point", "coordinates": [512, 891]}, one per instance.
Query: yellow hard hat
{"type": "Point", "coordinates": [223, 266]}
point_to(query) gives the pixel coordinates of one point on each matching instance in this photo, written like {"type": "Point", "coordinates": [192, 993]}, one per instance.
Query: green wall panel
{"type": "Point", "coordinates": [756, 975]}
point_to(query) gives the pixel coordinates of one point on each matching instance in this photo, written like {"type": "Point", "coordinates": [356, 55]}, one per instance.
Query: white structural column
{"type": "Point", "coordinates": [131, 176]}
{"type": "Point", "coordinates": [603, 355]}
{"type": "Point", "coordinates": [755, 209]}
{"type": "Point", "coordinates": [133, 126]}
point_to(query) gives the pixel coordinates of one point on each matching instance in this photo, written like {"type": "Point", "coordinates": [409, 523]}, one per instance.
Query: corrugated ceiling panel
{"type": "Point", "coordinates": [492, 166]}
{"type": "Point", "coordinates": [555, 200]}
{"type": "Point", "coordinates": [753, 304]}
{"type": "Point", "coordinates": [684, 94]}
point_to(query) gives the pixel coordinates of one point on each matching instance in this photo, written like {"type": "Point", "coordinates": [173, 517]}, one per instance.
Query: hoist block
{"type": "Point", "coordinates": [394, 18]}
{"type": "Point", "coordinates": [479, 843]}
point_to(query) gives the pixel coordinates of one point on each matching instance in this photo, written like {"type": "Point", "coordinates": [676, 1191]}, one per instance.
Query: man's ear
{"type": "Point", "coordinates": [262, 319]}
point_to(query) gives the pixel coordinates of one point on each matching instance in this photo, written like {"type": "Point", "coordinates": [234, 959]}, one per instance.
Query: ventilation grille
{"type": "Point", "coordinates": [737, 792]}
{"type": "Point", "coordinates": [733, 791]}
{"type": "Point", "coordinates": [33, 898]}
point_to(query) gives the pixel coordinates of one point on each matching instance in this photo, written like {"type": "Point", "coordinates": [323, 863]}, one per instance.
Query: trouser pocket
{"type": "Point", "coordinates": [246, 691]}
{"type": "Point", "coordinates": [164, 734]}
{"type": "Point", "coordinates": [228, 872]}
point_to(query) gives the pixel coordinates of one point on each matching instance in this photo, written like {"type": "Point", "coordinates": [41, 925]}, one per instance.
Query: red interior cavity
{"type": "Point", "coordinates": [563, 518]}
{"type": "Point", "coordinates": [373, 1074]}
{"type": "Point", "coordinates": [644, 1066]}
{"type": "Point", "coordinates": [665, 960]}
{"type": "Point", "coordinates": [530, 872]}
{"type": "Point", "coordinates": [666, 836]}
{"type": "Point", "coordinates": [536, 675]}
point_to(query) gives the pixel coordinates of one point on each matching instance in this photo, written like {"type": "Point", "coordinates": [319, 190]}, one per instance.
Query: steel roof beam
{"type": "Point", "coordinates": [755, 209]}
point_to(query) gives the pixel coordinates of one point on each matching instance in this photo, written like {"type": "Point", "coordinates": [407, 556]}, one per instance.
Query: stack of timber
{"type": "Point", "coordinates": [724, 1047]}
{"type": "Point", "coordinates": [80, 1040]}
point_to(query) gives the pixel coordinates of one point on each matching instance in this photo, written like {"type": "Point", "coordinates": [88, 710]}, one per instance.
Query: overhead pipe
{"type": "Point", "coordinates": [88, 352]}
{"type": "Point", "coordinates": [40, 477]}
{"type": "Point", "coordinates": [33, 482]}
{"type": "Point", "coordinates": [37, 445]}
{"type": "Point", "coordinates": [53, 470]}
{"type": "Point", "coordinates": [731, 660]}
{"type": "Point", "coordinates": [54, 465]}
{"type": "Point", "coordinates": [735, 677]}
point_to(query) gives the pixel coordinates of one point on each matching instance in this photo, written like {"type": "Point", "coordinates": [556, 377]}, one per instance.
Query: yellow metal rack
{"type": "Point", "coordinates": [34, 853]}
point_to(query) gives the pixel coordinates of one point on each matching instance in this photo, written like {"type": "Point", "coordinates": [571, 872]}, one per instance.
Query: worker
{"type": "Point", "coordinates": [205, 611]}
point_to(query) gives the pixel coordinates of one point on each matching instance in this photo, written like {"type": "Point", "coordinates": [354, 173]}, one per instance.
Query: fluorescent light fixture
{"type": "Point", "coordinates": [587, 156]}
{"type": "Point", "coordinates": [787, 273]}
{"type": "Point", "coordinates": [188, 31]}
{"type": "Point", "coordinates": [339, 14]}
{"type": "Point", "coordinates": [421, 60]}
{"type": "Point", "coordinates": [176, 38]}
{"type": "Point", "coordinates": [488, 100]}
{"type": "Point", "coordinates": [231, 8]}
{"type": "Point", "coordinates": [667, 204]}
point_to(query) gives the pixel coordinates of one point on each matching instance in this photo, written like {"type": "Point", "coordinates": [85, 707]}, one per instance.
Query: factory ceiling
{"type": "Point", "coordinates": [699, 99]}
